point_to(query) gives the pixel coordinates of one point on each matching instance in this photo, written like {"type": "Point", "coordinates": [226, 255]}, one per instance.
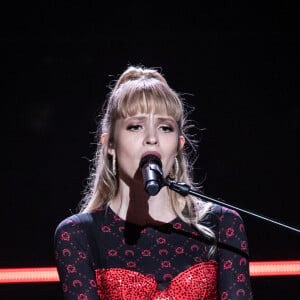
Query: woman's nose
{"type": "Point", "coordinates": [151, 138]}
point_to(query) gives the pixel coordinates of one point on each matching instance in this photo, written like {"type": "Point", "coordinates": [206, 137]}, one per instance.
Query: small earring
{"type": "Point", "coordinates": [114, 170]}
{"type": "Point", "coordinates": [176, 167]}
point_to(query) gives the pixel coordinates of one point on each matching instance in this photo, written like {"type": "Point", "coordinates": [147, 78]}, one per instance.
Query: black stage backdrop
{"type": "Point", "coordinates": [237, 64]}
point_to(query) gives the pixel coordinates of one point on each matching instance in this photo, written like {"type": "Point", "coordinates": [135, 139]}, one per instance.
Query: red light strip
{"type": "Point", "coordinates": [49, 274]}
{"type": "Point", "coordinates": [275, 268]}
{"type": "Point", "coordinates": [24, 275]}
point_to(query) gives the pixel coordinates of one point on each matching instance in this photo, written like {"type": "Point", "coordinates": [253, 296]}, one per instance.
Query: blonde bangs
{"type": "Point", "coordinates": [151, 97]}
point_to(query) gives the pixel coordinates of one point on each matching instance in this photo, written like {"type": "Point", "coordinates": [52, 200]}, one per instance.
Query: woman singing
{"type": "Point", "coordinates": [126, 244]}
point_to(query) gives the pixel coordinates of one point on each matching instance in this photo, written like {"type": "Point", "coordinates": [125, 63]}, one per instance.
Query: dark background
{"type": "Point", "coordinates": [236, 63]}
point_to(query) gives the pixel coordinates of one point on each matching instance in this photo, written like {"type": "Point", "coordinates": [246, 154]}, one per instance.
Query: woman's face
{"type": "Point", "coordinates": [142, 134]}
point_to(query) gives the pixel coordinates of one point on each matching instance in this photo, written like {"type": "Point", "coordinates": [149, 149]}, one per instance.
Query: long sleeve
{"type": "Point", "coordinates": [74, 260]}
{"type": "Point", "coordinates": [234, 279]}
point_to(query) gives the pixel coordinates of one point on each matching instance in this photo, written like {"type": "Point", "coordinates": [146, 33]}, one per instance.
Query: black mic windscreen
{"type": "Point", "coordinates": [153, 177]}
{"type": "Point", "coordinates": [151, 158]}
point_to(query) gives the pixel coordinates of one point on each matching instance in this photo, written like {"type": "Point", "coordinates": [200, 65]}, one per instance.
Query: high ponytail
{"type": "Point", "coordinates": [136, 73]}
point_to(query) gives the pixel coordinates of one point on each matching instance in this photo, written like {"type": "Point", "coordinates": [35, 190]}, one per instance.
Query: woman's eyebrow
{"type": "Point", "coordinates": [136, 118]}
{"type": "Point", "coordinates": [163, 119]}
{"type": "Point", "coordinates": [158, 118]}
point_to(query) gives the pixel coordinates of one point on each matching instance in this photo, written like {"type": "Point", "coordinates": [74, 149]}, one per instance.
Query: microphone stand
{"type": "Point", "coordinates": [184, 189]}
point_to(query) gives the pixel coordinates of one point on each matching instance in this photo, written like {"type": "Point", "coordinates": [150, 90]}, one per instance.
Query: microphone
{"type": "Point", "coordinates": [152, 174]}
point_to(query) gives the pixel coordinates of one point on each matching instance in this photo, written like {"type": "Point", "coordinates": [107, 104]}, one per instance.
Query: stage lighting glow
{"type": "Point", "coordinates": [49, 274]}
{"type": "Point", "coordinates": [275, 268]}
{"type": "Point", "coordinates": [23, 275]}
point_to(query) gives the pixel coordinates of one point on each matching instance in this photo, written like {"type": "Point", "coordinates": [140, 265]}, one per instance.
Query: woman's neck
{"type": "Point", "coordinates": [134, 205]}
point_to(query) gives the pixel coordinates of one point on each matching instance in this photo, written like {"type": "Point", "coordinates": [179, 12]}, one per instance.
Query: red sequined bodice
{"type": "Point", "coordinates": [197, 282]}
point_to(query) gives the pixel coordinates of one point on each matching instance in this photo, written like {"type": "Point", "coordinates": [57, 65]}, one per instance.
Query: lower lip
{"type": "Point", "coordinates": [152, 153]}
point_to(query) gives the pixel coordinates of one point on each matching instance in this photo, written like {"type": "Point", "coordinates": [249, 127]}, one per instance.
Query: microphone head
{"type": "Point", "coordinates": [150, 158]}
{"type": "Point", "coordinates": [153, 177]}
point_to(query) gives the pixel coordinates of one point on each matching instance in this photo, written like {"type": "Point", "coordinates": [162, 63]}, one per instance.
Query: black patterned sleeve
{"type": "Point", "coordinates": [234, 278]}
{"type": "Point", "coordinates": [74, 260]}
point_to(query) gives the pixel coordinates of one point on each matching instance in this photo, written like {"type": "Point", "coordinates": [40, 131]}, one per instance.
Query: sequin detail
{"type": "Point", "coordinates": [196, 282]}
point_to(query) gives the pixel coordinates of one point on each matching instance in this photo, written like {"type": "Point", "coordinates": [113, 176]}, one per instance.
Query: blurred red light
{"type": "Point", "coordinates": [49, 274]}
{"type": "Point", "coordinates": [275, 268]}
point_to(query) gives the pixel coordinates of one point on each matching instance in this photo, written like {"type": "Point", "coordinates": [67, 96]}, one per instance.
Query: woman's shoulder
{"type": "Point", "coordinates": [222, 212]}
{"type": "Point", "coordinates": [231, 229]}
{"type": "Point", "coordinates": [219, 217]}
{"type": "Point", "coordinates": [71, 224]}
{"type": "Point", "coordinates": [79, 221]}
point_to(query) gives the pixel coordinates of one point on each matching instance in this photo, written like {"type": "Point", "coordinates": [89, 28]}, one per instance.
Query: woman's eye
{"type": "Point", "coordinates": [134, 127]}
{"type": "Point", "coordinates": [166, 128]}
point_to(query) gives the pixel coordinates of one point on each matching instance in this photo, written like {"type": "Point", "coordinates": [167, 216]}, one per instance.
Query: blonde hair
{"type": "Point", "coordinates": [141, 90]}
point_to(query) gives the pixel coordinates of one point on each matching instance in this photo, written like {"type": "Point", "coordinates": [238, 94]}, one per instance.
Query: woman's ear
{"type": "Point", "coordinates": [103, 140]}
{"type": "Point", "coordinates": [181, 142]}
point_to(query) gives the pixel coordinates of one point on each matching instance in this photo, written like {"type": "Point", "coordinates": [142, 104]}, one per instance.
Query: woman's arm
{"type": "Point", "coordinates": [234, 278]}
{"type": "Point", "coordinates": [74, 260]}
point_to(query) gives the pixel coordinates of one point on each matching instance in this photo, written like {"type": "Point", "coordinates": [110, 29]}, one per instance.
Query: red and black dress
{"type": "Point", "coordinates": [100, 256]}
